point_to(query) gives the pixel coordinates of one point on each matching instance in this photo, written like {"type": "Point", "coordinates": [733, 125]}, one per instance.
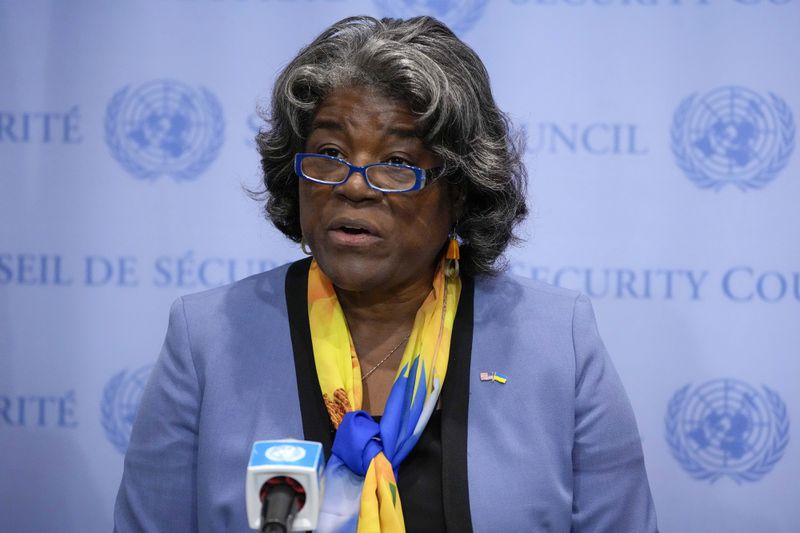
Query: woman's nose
{"type": "Point", "coordinates": [356, 188]}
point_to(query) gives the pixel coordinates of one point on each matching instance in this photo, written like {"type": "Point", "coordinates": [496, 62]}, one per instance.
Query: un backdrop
{"type": "Point", "coordinates": [664, 183]}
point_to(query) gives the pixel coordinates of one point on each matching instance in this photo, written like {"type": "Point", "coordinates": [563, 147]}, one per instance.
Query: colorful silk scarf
{"type": "Point", "coordinates": [360, 477]}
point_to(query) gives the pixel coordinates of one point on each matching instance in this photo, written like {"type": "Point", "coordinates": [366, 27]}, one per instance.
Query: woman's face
{"type": "Point", "coordinates": [364, 239]}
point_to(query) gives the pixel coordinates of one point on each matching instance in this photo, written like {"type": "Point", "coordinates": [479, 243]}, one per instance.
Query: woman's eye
{"type": "Point", "coordinates": [332, 152]}
{"type": "Point", "coordinates": [396, 160]}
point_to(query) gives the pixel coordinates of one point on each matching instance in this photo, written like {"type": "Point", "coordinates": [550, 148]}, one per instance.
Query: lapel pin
{"type": "Point", "coordinates": [493, 376]}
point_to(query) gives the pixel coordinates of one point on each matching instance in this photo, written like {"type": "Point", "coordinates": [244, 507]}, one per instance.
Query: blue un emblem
{"type": "Point", "coordinates": [459, 15]}
{"type": "Point", "coordinates": [732, 136]}
{"type": "Point", "coordinates": [164, 127]}
{"type": "Point", "coordinates": [120, 402]}
{"type": "Point", "coordinates": [726, 427]}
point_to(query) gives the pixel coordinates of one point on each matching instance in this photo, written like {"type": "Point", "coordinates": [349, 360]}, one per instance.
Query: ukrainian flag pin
{"type": "Point", "coordinates": [493, 376]}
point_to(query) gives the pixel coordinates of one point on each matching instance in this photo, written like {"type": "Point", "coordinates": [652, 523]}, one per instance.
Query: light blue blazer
{"type": "Point", "coordinates": [554, 449]}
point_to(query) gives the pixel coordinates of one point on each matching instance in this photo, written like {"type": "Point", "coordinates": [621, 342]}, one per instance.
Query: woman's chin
{"type": "Point", "coordinates": [355, 273]}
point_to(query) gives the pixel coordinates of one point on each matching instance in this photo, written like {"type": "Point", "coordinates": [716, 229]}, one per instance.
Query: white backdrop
{"type": "Point", "coordinates": [662, 183]}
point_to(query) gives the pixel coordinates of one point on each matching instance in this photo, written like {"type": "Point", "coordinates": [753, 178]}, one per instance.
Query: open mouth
{"type": "Point", "coordinates": [354, 231]}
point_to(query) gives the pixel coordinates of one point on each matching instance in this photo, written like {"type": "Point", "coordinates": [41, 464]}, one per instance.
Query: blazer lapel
{"type": "Point", "coordinates": [316, 423]}
{"type": "Point", "coordinates": [455, 407]}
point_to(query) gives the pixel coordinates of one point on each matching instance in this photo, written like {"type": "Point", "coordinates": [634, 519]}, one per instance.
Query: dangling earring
{"type": "Point", "coordinates": [304, 246]}
{"type": "Point", "coordinates": [452, 256]}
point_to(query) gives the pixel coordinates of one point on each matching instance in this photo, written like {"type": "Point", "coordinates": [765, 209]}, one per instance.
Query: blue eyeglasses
{"type": "Point", "coordinates": [384, 177]}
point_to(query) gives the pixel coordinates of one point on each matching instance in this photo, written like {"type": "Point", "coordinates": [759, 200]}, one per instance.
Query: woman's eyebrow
{"type": "Point", "coordinates": [327, 124]}
{"type": "Point", "coordinates": [402, 132]}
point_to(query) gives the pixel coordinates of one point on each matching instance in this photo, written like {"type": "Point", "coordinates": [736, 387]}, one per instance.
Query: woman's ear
{"type": "Point", "coordinates": [458, 199]}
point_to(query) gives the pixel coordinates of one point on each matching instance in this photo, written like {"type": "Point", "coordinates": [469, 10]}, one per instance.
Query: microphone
{"type": "Point", "coordinates": [284, 485]}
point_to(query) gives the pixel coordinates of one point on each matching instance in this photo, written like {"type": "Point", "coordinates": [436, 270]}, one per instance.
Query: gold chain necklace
{"type": "Point", "coordinates": [388, 355]}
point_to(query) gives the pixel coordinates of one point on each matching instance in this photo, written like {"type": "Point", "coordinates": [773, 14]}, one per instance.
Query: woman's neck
{"type": "Point", "coordinates": [376, 318]}
{"type": "Point", "coordinates": [380, 322]}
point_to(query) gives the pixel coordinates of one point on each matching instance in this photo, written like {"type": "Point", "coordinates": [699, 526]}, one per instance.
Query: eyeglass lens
{"type": "Point", "coordinates": [387, 177]}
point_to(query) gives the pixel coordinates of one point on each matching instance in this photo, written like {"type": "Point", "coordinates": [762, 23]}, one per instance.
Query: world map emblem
{"type": "Point", "coordinates": [459, 15]}
{"type": "Point", "coordinates": [164, 128]}
{"type": "Point", "coordinates": [121, 397]}
{"type": "Point", "coordinates": [727, 428]}
{"type": "Point", "coordinates": [732, 136]}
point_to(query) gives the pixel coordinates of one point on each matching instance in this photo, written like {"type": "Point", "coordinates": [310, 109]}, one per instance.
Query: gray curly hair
{"type": "Point", "coordinates": [421, 62]}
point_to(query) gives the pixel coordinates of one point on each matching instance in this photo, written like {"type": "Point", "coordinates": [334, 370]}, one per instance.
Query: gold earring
{"type": "Point", "coordinates": [304, 246]}
{"type": "Point", "coordinates": [451, 268]}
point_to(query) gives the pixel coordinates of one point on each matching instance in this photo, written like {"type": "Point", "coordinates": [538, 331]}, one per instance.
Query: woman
{"type": "Point", "coordinates": [447, 396]}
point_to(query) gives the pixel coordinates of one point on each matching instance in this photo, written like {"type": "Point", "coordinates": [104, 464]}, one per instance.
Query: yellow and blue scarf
{"type": "Point", "coordinates": [361, 476]}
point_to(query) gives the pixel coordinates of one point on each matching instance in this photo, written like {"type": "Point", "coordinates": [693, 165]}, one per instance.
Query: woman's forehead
{"type": "Point", "coordinates": [353, 107]}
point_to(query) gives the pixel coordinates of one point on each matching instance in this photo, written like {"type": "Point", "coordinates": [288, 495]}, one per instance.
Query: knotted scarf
{"type": "Point", "coordinates": [361, 476]}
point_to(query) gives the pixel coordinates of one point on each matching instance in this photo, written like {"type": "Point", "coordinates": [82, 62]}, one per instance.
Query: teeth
{"type": "Point", "coordinates": [353, 229]}
{"type": "Point", "coordinates": [349, 229]}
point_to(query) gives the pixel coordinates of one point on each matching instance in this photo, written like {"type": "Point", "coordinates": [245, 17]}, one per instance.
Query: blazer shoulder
{"type": "Point", "coordinates": [509, 294]}
{"type": "Point", "coordinates": [265, 286]}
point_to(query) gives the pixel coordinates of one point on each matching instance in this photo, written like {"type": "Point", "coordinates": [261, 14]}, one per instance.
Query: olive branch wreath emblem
{"type": "Point", "coordinates": [115, 140]}
{"type": "Point", "coordinates": [114, 432]}
{"type": "Point", "coordinates": [469, 10]}
{"type": "Point", "coordinates": [702, 179]}
{"type": "Point", "coordinates": [117, 434]}
{"type": "Point", "coordinates": [771, 454]}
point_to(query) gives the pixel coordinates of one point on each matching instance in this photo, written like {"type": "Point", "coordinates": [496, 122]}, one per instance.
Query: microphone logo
{"type": "Point", "coordinates": [285, 453]}
{"type": "Point", "coordinates": [284, 484]}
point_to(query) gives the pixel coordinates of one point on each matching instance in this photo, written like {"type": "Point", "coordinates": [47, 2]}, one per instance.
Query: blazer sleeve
{"type": "Point", "coordinates": [158, 488]}
{"type": "Point", "coordinates": [610, 488]}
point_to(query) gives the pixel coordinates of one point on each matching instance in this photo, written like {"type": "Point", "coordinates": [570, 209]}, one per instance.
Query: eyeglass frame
{"type": "Point", "coordinates": [423, 177]}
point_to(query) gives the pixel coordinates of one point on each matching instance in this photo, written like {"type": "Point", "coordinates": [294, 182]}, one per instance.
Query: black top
{"type": "Point", "coordinates": [419, 480]}
{"type": "Point", "coordinates": [432, 480]}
